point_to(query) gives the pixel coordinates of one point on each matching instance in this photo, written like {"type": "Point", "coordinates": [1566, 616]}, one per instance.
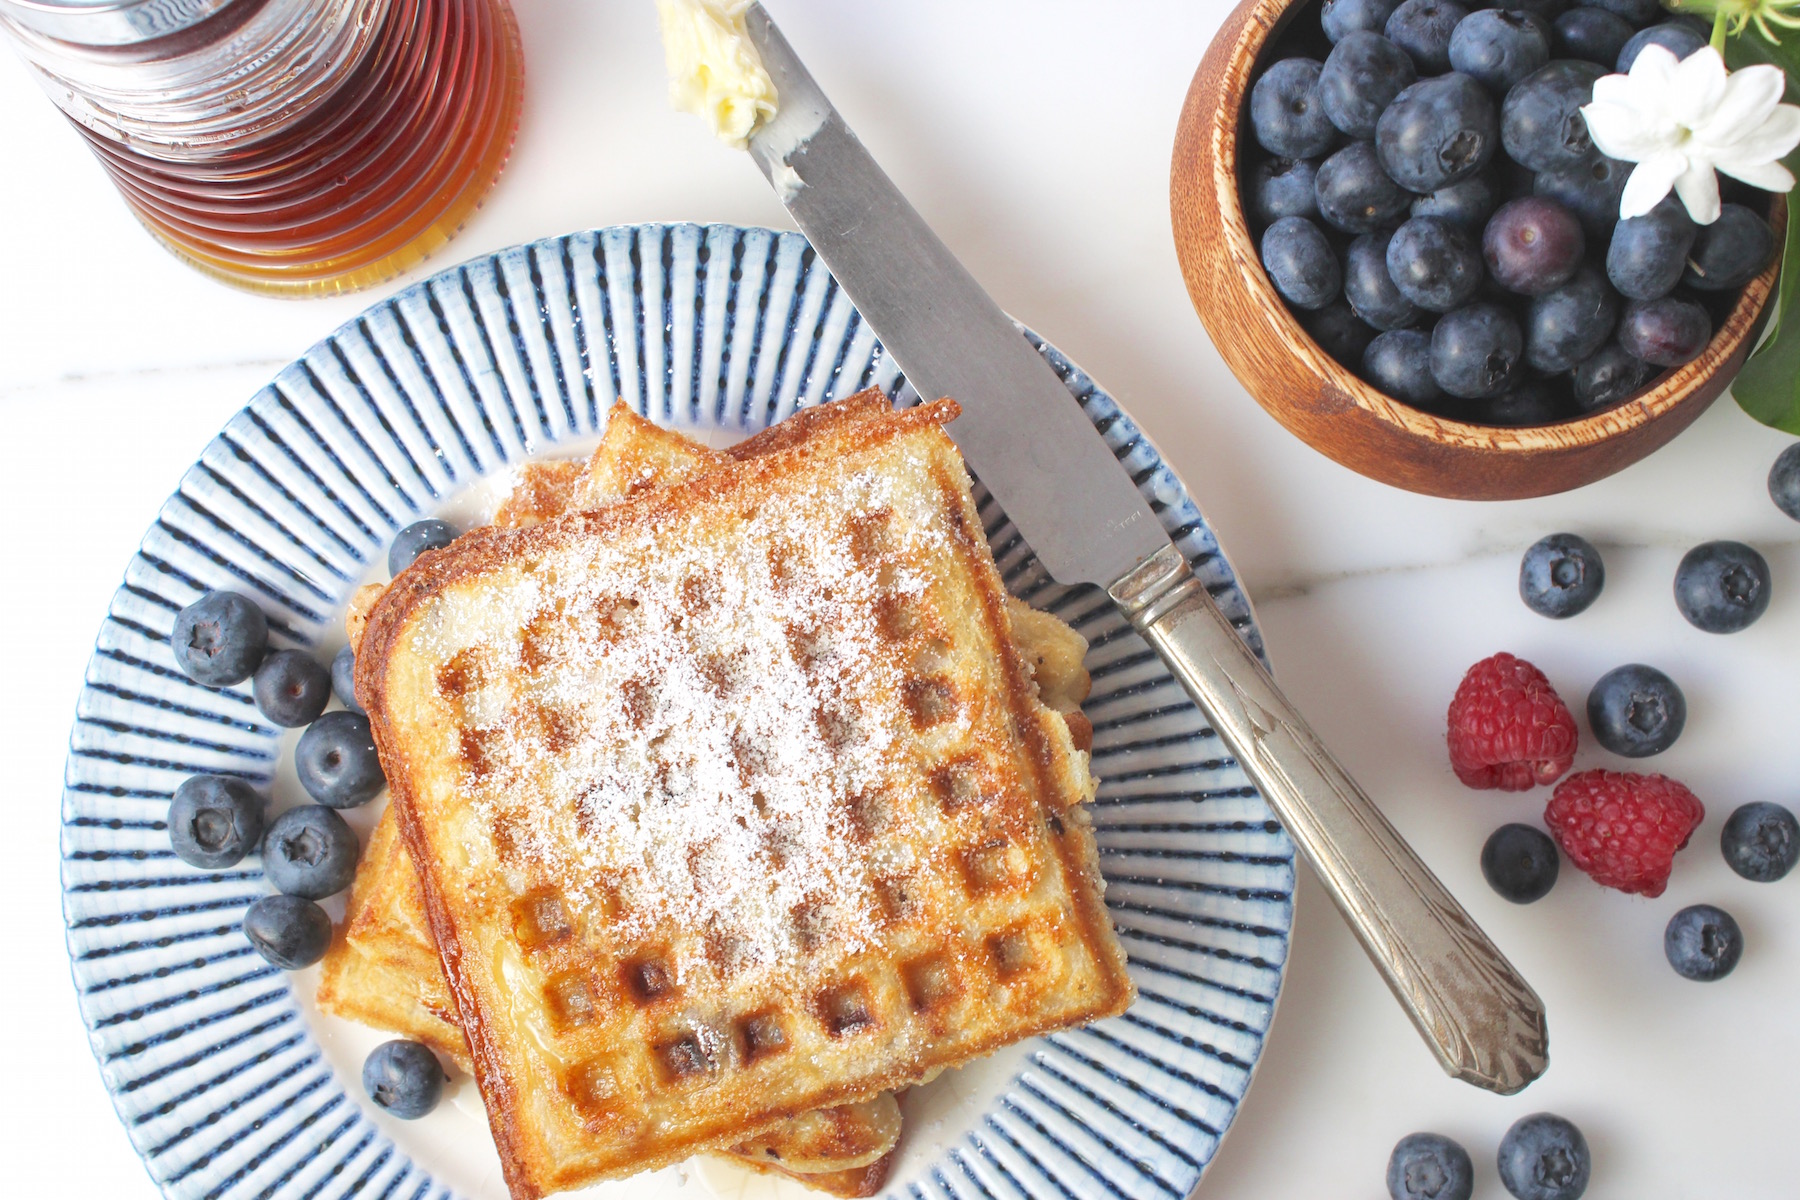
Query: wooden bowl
{"type": "Point", "coordinates": [1323, 401]}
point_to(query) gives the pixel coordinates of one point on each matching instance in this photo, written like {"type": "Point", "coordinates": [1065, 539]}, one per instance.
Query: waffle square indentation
{"type": "Point", "coordinates": [540, 918]}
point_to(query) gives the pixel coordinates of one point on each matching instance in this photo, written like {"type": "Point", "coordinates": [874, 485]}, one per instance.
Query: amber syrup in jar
{"type": "Point", "coordinates": [401, 115]}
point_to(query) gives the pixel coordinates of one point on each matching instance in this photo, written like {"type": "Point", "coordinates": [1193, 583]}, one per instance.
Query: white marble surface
{"type": "Point", "coordinates": [1035, 135]}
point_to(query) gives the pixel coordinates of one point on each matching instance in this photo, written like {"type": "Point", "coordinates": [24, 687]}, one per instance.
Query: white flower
{"type": "Point", "coordinates": [1679, 120]}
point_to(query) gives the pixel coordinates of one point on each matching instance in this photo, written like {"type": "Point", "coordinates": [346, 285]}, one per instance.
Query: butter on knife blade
{"type": "Point", "coordinates": [714, 70]}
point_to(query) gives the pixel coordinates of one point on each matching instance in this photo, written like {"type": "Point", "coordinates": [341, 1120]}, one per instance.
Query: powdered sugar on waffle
{"type": "Point", "coordinates": [680, 738]}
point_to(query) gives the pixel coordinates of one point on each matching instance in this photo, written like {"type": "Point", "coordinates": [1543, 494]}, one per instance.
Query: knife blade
{"type": "Point", "coordinates": [1029, 442]}
{"type": "Point", "coordinates": [950, 337]}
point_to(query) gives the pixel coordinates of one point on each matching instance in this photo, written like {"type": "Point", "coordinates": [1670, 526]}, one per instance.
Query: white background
{"type": "Point", "coordinates": [1035, 135]}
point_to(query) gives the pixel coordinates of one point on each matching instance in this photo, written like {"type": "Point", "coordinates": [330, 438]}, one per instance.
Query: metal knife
{"type": "Point", "coordinates": [1034, 449]}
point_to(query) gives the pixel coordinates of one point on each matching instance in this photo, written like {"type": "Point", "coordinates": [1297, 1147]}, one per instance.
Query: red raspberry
{"type": "Point", "coordinates": [1508, 727]}
{"type": "Point", "coordinates": [1623, 829]}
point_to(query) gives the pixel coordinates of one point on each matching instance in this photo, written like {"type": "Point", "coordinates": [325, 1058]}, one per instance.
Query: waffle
{"type": "Point", "coordinates": [383, 971]}
{"type": "Point", "coordinates": [734, 801]}
{"type": "Point", "coordinates": [383, 968]}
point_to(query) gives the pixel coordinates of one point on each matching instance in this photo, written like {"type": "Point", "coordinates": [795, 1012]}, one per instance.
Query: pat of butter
{"type": "Point", "coordinates": [714, 71]}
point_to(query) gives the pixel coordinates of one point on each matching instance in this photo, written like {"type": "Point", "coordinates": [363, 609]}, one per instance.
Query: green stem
{"type": "Point", "coordinates": [1718, 31]}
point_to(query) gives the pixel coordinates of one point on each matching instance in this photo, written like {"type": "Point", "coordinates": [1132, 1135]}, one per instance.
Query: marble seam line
{"type": "Point", "coordinates": [1305, 585]}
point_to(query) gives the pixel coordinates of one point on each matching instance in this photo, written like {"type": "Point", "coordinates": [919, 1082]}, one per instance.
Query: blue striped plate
{"type": "Point", "coordinates": [228, 1081]}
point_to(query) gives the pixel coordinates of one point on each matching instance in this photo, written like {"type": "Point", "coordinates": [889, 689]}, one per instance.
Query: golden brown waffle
{"type": "Point", "coordinates": [383, 969]}
{"type": "Point", "coordinates": [653, 951]}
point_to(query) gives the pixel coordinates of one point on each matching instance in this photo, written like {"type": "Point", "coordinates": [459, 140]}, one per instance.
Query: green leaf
{"type": "Point", "coordinates": [1768, 387]}
{"type": "Point", "coordinates": [1748, 48]}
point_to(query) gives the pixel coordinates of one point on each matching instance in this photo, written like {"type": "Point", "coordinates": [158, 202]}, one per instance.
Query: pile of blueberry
{"type": "Point", "coordinates": [1431, 205]}
{"type": "Point", "coordinates": [309, 852]}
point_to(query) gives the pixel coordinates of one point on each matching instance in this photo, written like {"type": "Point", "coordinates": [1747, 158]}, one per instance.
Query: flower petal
{"type": "Point", "coordinates": [1650, 182]}
{"type": "Point", "coordinates": [1652, 73]}
{"type": "Point", "coordinates": [1625, 133]}
{"type": "Point", "coordinates": [1697, 86]}
{"type": "Point", "coordinates": [1770, 176]}
{"type": "Point", "coordinates": [1698, 188]}
{"type": "Point", "coordinates": [1774, 138]}
{"type": "Point", "coordinates": [1614, 89]}
{"type": "Point", "coordinates": [1751, 94]}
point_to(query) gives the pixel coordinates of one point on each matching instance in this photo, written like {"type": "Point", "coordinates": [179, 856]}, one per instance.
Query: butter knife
{"type": "Point", "coordinates": [1033, 448]}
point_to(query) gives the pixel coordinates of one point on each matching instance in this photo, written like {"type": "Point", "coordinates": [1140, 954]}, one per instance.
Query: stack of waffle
{"type": "Point", "coordinates": [730, 795]}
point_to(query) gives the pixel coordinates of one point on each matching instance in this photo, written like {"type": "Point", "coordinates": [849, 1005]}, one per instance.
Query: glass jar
{"type": "Point", "coordinates": [297, 147]}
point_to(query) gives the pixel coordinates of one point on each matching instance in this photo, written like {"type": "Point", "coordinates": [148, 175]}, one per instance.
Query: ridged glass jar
{"type": "Point", "coordinates": [296, 147]}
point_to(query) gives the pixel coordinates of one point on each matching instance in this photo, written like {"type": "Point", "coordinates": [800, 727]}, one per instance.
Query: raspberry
{"type": "Point", "coordinates": [1508, 727]}
{"type": "Point", "coordinates": [1623, 829]}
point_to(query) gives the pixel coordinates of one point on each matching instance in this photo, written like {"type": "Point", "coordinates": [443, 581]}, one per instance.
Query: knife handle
{"type": "Point", "coordinates": [1479, 1016]}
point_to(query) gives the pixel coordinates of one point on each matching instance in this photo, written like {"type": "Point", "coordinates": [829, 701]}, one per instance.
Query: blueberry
{"type": "Point", "coordinates": [1467, 203]}
{"type": "Point", "coordinates": [1591, 189]}
{"type": "Point", "coordinates": [1532, 245]}
{"type": "Point", "coordinates": [1609, 377]}
{"type": "Point", "coordinates": [1355, 194]}
{"type": "Point", "coordinates": [1429, 1166]}
{"type": "Point", "coordinates": [219, 639]}
{"type": "Point", "coordinates": [1678, 39]}
{"type": "Point", "coordinates": [1527, 405]}
{"type": "Point", "coordinates": [1399, 363]}
{"type": "Point", "coordinates": [1703, 943]}
{"type": "Point", "coordinates": [1636, 711]}
{"type": "Point", "coordinates": [1434, 264]}
{"type": "Point", "coordinates": [1638, 12]}
{"type": "Point", "coordinates": [1544, 1157]}
{"type": "Point", "coordinates": [1520, 863]}
{"type": "Point", "coordinates": [1514, 180]}
{"type": "Point", "coordinates": [1571, 324]}
{"type": "Point", "coordinates": [403, 1078]}
{"type": "Point", "coordinates": [290, 932]}
{"type": "Point", "coordinates": [1730, 252]}
{"type": "Point", "coordinates": [1423, 29]}
{"type": "Point", "coordinates": [1561, 575]}
{"type": "Point", "coordinates": [1340, 18]}
{"type": "Point", "coordinates": [1362, 75]}
{"type": "Point", "coordinates": [1649, 253]}
{"type": "Point", "coordinates": [1437, 131]}
{"type": "Point", "coordinates": [1498, 47]}
{"type": "Point", "coordinates": [1543, 10]}
{"type": "Point", "coordinates": [1282, 187]}
{"type": "Point", "coordinates": [343, 678]}
{"type": "Point", "coordinates": [336, 761]}
{"type": "Point", "coordinates": [1591, 33]}
{"type": "Point", "coordinates": [309, 851]}
{"type": "Point", "coordinates": [1301, 264]}
{"type": "Point", "coordinates": [1475, 352]}
{"type": "Point", "coordinates": [1666, 332]}
{"type": "Point", "coordinates": [291, 688]}
{"type": "Point", "coordinates": [1339, 332]}
{"type": "Point", "coordinates": [1722, 587]}
{"type": "Point", "coordinates": [1369, 287]}
{"type": "Point", "coordinates": [214, 821]}
{"type": "Point", "coordinates": [1784, 481]}
{"type": "Point", "coordinates": [1285, 111]}
{"type": "Point", "coordinates": [416, 539]}
{"type": "Point", "coordinates": [1761, 841]}
{"type": "Point", "coordinates": [1541, 122]}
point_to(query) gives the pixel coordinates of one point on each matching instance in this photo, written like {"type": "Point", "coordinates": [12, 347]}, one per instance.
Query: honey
{"type": "Point", "coordinates": [397, 126]}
